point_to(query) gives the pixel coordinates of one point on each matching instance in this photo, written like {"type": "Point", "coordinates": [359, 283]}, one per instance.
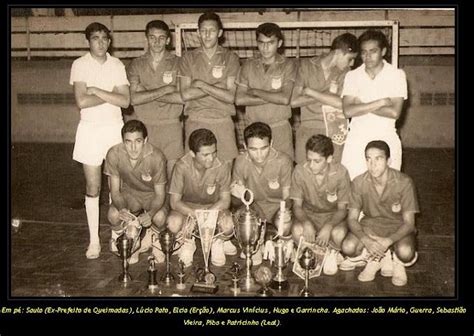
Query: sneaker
{"type": "Point", "coordinates": [186, 253]}
{"type": "Point", "coordinates": [113, 246]}
{"type": "Point", "coordinates": [370, 270]}
{"type": "Point", "coordinates": [158, 254]}
{"type": "Point", "coordinates": [229, 248]}
{"type": "Point", "coordinates": [146, 242]}
{"type": "Point", "coordinates": [399, 277]}
{"type": "Point", "coordinates": [134, 258]}
{"type": "Point", "coordinates": [330, 264]}
{"type": "Point", "coordinates": [351, 263]}
{"type": "Point", "coordinates": [339, 258]}
{"type": "Point", "coordinates": [93, 251]}
{"type": "Point", "coordinates": [217, 253]}
{"type": "Point", "coordinates": [387, 264]}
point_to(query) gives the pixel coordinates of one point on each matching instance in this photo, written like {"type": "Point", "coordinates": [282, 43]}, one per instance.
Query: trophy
{"type": "Point", "coordinates": [207, 222]}
{"type": "Point", "coordinates": [264, 276]}
{"type": "Point", "coordinates": [181, 274]}
{"type": "Point", "coordinates": [235, 270]}
{"type": "Point", "coordinates": [280, 282]}
{"type": "Point", "coordinates": [167, 242]}
{"type": "Point", "coordinates": [308, 263]}
{"type": "Point", "coordinates": [127, 243]}
{"type": "Point", "coordinates": [152, 283]}
{"type": "Point", "coordinates": [249, 231]}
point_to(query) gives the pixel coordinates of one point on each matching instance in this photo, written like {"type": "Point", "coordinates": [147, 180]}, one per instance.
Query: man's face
{"type": "Point", "coordinates": [209, 32]}
{"type": "Point", "coordinates": [258, 150]}
{"type": "Point", "coordinates": [371, 54]}
{"type": "Point", "coordinates": [157, 40]}
{"type": "Point", "coordinates": [377, 162]}
{"type": "Point", "coordinates": [99, 43]}
{"type": "Point", "coordinates": [268, 46]}
{"type": "Point", "coordinates": [134, 143]}
{"type": "Point", "coordinates": [206, 156]}
{"type": "Point", "coordinates": [345, 60]}
{"type": "Point", "coordinates": [317, 162]}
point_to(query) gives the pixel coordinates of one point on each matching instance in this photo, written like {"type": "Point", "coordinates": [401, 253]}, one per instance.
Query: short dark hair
{"type": "Point", "coordinates": [200, 138]}
{"type": "Point", "coordinates": [374, 35]}
{"type": "Point", "coordinates": [158, 24]}
{"type": "Point", "coordinates": [346, 42]}
{"type": "Point", "coordinates": [320, 144]}
{"type": "Point", "coordinates": [96, 27]}
{"type": "Point", "coordinates": [257, 130]}
{"type": "Point", "coordinates": [379, 144]}
{"type": "Point", "coordinates": [210, 16]}
{"type": "Point", "coordinates": [269, 29]}
{"type": "Point", "coordinates": [134, 125]}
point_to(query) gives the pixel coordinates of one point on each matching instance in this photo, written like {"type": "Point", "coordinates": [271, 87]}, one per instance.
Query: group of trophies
{"type": "Point", "coordinates": [250, 233]}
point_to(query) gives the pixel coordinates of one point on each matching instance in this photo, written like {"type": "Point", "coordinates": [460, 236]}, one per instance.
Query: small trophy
{"type": "Point", "coordinates": [168, 246]}
{"type": "Point", "coordinates": [235, 270]}
{"type": "Point", "coordinates": [280, 282]}
{"type": "Point", "coordinates": [207, 222]}
{"type": "Point", "coordinates": [152, 283]}
{"type": "Point", "coordinates": [124, 246]}
{"type": "Point", "coordinates": [181, 274]}
{"type": "Point", "coordinates": [263, 276]}
{"type": "Point", "coordinates": [250, 232]}
{"type": "Point", "coordinates": [308, 263]}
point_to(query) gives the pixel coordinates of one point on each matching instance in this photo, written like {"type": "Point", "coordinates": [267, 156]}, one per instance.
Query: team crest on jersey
{"type": "Point", "coordinates": [146, 177]}
{"type": "Point", "coordinates": [274, 185]}
{"type": "Point", "coordinates": [396, 207]}
{"type": "Point", "coordinates": [211, 189]}
{"type": "Point", "coordinates": [276, 82]}
{"type": "Point", "coordinates": [331, 196]}
{"type": "Point", "coordinates": [218, 71]}
{"type": "Point", "coordinates": [167, 77]}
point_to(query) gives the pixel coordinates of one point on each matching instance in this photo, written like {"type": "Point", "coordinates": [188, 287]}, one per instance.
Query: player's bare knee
{"type": "Point", "coordinates": [113, 216]}
{"type": "Point", "coordinates": [226, 226]}
{"type": "Point", "coordinates": [404, 252]}
{"type": "Point", "coordinates": [174, 223]}
{"type": "Point", "coordinates": [159, 219]}
{"type": "Point", "coordinates": [349, 246]}
{"type": "Point", "coordinates": [338, 234]}
{"type": "Point", "coordinates": [297, 232]}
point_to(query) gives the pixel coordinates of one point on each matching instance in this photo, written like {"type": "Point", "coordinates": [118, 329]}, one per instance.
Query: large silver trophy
{"type": "Point", "coordinates": [308, 263]}
{"type": "Point", "coordinates": [206, 222]}
{"type": "Point", "coordinates": [282, 219]}
{"type": "Point", "coordinates": [168, 245]}
{"type": "Point", "coordinates": [250, 232]}
{"type": "Point", "coordinates": [127, 244]}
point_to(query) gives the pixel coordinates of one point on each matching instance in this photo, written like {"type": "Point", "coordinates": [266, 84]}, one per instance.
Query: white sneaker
{"type": "Point", "coordinates": [351, 263]}
{"type": "Point", "coordinates": [186, 252]}
{"type": "Point", "coordinates": [146, 242]}
{"type": "Point", "coordinates": [217, 253]}
{"type": "Point", "coordinates": [387, 264]}
{"type": "Point", "coordinates": [229, 248]}
{"type": "Point", "coordinates": [158, 254]}
{"type": "Point", "coordinates": [339, 258]}
{"type": "Point", "coordinates": [399, 277]}
{"type": "Point", "coordinates": [330, 264]}
{"type": "Point", "coordinates": [93, 251]}
{"type": "Point", "coordinates": [370, 270]}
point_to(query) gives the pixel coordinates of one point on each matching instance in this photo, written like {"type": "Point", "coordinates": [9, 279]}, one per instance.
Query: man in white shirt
{"type": "Point", "coordinates": [373, 96]}
{"type": "Point", "coordinates": [101, 89]}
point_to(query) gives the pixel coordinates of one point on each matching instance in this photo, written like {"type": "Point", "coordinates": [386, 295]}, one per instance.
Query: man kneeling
{"type": "Point", "coordinates": [137, 177]}
{"type": "Point", "coordinates": [388, 200]}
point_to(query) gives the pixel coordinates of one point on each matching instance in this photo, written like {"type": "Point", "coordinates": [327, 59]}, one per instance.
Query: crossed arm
{"type": "Point", "coordinates": [166, 94]}
{"type": "Point", "coordinates": [384, 107]}
{"type": "Point", "coordinates": [93, 96]}
{"type": "Point", "coordinates": [303, 96]}
{"type": "Point", "coordinates": [251, 97]}
{"type": "Point", "coordinates": [195, 89]}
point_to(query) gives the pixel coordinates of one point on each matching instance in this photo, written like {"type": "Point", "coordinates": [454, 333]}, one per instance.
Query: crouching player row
{"type": "Point", "coordinates": [320, 190]}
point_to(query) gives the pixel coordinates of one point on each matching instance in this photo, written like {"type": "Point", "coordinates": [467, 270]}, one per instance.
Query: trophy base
{"type": "Point", "coordinates": [265, 291]}
{"type": "Point", "coordinates": [152, 287]}
{"type": "Point", "coordinates": [306, 293]}
{"type": "Point", "coordinates": [167, 279]}
{"type": "Point", "coordinates": [279, 285]}
{"type": "Point", "coordinates": [125, 278]}
{"type": "Point", "coordinates": [248, 285]}
{"type": "Point", "coordinates": [201, 287]}
{"type": "Point", "coordinates": [181, 286]}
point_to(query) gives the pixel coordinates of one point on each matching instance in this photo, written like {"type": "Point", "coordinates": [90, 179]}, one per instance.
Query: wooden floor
{"type": "Point", "coordinates": [47, 254]}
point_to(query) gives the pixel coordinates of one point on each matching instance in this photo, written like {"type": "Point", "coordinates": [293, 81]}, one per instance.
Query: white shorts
{"type": "Point", "coordinates": [353, 155]}
{"type": "Point", "coordinates": [94, 140]}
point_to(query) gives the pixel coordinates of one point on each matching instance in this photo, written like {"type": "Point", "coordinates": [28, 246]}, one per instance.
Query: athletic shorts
{"type": "Point", "coordinates": [94, 140]}
{"type": "Point", "coordinates": [167, 136]}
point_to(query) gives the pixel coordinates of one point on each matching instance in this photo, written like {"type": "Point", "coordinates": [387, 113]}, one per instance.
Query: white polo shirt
{"type": "Point", "coordinates": [103, 76]}
{"type": "Point", "coordinates": [389, 82]}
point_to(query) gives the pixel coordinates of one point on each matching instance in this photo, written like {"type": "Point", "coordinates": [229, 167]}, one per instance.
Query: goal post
{"type": "Point", "coordinates": [301, 39]}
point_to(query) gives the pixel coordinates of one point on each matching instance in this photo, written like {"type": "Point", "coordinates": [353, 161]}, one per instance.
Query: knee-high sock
{"type": "Point", "coordinates": [92, 211]}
